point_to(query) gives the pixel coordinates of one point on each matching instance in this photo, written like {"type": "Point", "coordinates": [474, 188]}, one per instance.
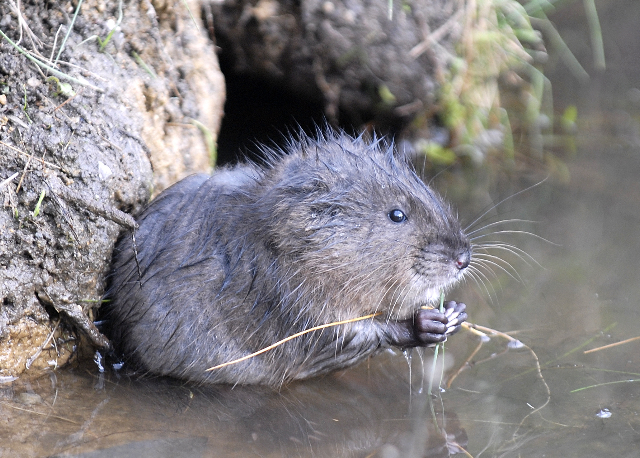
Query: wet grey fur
{"type": "Point", "coordinates": [234, 262]}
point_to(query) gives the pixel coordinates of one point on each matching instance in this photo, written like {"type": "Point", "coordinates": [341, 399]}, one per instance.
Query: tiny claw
{"type": "Point", "coordinates": [453, 316]}
{"type": "Point", "coordinates": [452, 323]}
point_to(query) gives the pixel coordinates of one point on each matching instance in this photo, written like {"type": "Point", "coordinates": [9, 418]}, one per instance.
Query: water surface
{"type": "Point", "coordinates": [547, 398]}
{"type": "Point", "coordinates": [580, 293]}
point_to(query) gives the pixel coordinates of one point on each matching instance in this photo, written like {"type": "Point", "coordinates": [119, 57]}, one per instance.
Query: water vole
{"type": "Point", "coordinates": [330, 229]}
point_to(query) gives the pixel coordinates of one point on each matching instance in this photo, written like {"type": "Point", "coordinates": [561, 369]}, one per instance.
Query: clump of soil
{"type": "Point", "coordinates": [136, 118]}
{"type": "Point", "coordinates": [360, 59]}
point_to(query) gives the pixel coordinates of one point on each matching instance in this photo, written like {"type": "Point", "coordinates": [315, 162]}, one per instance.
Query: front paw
{"type": "Point", "coordinates": [431, 326]}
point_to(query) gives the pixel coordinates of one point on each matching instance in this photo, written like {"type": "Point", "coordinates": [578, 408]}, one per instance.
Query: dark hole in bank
{"type": "Point", "coordinates": [259, 112]}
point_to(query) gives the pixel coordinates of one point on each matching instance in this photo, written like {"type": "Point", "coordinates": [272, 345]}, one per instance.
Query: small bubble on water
{"type": "Point", "coordinates": [604, 413]}
{"type": "Point", "coordinates": [515, 344]}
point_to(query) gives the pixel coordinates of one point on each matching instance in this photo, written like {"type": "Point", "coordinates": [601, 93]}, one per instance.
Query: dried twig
{"type": "Point", "coordinates": [486, 332]}
{"type": "Point", "coordinates": [605, 346]}
{"type": "Point", "coordinates": [106, 211]}
{"type": "Point", "coordinates": [47, 340]}
{"type": "Point", "coordinates": [28, 155]}
{"type": "Point", "coordinates": [291, 337]}
{"type": "Point", "coordinates": [9, 180]}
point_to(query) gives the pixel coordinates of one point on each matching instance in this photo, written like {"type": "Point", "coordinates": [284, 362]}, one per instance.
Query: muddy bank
{"type": "Point", "coordinates": [132, 112]}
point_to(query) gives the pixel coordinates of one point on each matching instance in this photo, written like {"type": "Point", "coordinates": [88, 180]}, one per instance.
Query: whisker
{"type": "Point", "coordinates": [519, 252]}
{"type": "Point", "coordinates": [474, 273]}
{"type": "Point", "coordinates": [480, 263]}
{"type": "Point", "coordinates": [515, 275]}
{"type": "Point", "coordinates": [496, 223]}
{"type": "Point", "coordinates": [517, 232]}
{"type": "Point", "coordinates": [501, 202]}
{"type": "Point", "coordinates": [400, 293]}
{"type": "Point", "coordinates": [379, 304]}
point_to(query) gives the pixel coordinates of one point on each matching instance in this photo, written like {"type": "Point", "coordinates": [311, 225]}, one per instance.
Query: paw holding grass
{"type": "Point", "coordinates": [432, 326]}
{"type": "Point", "coordinates": [428, 326]}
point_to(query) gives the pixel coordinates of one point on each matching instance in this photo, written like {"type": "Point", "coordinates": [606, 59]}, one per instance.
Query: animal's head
{"type": "Point", "coordinates": [354, 219]}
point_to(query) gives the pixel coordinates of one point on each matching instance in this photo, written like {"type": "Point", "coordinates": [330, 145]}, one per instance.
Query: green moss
{"type": "Point", "coordinates": [492, 43]}
{"type": "Point", "coordinates": [439, 155]}
{"type": "Point", "coordinates": [497, 56]}
{"type": "Point", "coordinates": [386, 95]}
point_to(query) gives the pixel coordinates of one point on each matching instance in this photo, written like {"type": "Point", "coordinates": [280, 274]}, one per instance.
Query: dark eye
{"type": "Point", "coordinates": [397, 216]}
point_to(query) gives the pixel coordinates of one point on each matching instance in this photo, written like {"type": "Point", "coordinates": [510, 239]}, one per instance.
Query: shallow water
{"type": "Point", "coordinates": [583, 295]}
{"type": "Point", "coordinates": [580, 293]}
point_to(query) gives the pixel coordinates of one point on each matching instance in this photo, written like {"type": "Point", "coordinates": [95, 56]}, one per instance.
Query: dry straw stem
{"type": "Point", "coordinates": [46, 414]}
{"type": "Point", "coordinates": [291, 337]}
{"type": "Point", "coordinates": [106, 211]}
{"type": "Point", "coordinates": [29, 158]}
{"type": "Point", "coordinates": [593, 350]}
{"type": "Point", "coordinates": [35, 356]}
{"type": "Point", "coordinates": [486, 332]}
{"type": "Point", "coordinates": [15, 7]}
{"type": "Point", "coordinates": [48, 67]}
{"type": "Point", "coordinates": [8, 180]}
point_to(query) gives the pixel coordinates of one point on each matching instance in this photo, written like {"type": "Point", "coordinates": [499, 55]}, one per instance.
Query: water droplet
{"type": "Point", "coordinates": [408, 354]}
{"type": "Point", "coordinates": [420, 351]}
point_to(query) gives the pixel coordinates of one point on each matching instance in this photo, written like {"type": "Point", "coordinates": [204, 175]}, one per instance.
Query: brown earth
{"type": "Point", "coordinates": [361, 62]}
{"type": "Point", "coordinates": [134, 121]}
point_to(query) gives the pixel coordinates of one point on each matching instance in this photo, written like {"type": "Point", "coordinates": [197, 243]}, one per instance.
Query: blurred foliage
{"type": "Point", "coordinates": [492, 86]}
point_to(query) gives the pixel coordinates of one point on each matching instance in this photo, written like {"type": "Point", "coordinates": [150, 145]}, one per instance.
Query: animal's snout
{"type": "Point", "coordinates": [462, 259]}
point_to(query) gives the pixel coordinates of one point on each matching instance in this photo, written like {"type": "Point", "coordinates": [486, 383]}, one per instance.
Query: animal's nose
{"type": "Point", "coordinates": [463, 259]}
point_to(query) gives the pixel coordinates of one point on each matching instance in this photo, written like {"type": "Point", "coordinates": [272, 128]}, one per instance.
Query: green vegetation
{"type": "Point", "coordinates": [25, 105]}
{"type": "Point", "coordinates": [498, 40]}
{"type": "Point", "coordinates": [144, 65]}
{"type": "Point", "coordinates": [36, 210]}
{"type": "Point", "coordinates": [61, 88]}
{"type": "Point", "coordinates": [500, 49]}
{"type": "Point", "coordinates": [209, 142]}
{"type": "Point", "coordinates": [48, 67]}
{"type": "Point", "coordinates": [435, 356]}
{"type": "Point", "coordinates": [103, 43]}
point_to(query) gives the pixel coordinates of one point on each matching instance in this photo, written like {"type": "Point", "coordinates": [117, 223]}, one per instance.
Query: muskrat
{"type": "Point", "coordinates": [326, 229]}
